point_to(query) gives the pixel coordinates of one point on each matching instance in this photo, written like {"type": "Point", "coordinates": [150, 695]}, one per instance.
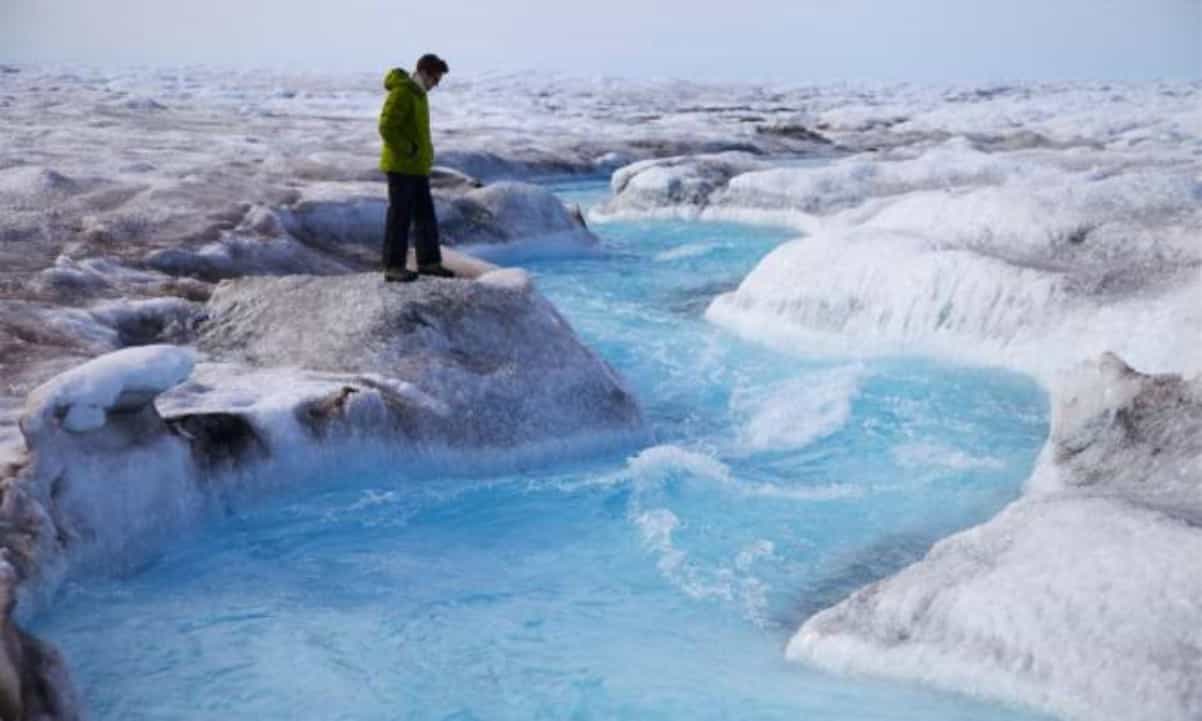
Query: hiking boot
{"type": "Point", "coordinates": [399, 275]}
{"type": "Point", "coordinates": [435, 269]}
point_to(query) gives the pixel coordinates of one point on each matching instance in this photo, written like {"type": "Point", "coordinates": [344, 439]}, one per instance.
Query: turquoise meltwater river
{"type": "Point", "coordinates": [658, 583]}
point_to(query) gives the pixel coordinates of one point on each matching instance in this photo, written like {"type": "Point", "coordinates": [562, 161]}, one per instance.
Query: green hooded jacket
{"type": "Point", "coordinates": [405, 127]}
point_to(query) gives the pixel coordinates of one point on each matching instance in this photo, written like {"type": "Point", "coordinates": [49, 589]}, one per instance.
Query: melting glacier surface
{"type": "Point", "coordinates": [663, 583]}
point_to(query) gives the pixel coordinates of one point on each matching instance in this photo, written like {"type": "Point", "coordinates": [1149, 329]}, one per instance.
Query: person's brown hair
{"type": "Point", "coordinates": [431, 63]}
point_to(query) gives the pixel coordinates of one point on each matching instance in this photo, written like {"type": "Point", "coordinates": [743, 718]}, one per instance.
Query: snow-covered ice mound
{"type": "Point", "coordinates": [101, 466]}
{"type": "Point", "coordinates": [1080, 598]}
{"type": "Point", "coordinates": [1035, 260]}
{"type": "Point", "coordinates": [682, 184]}
{"type": "Point", "coordinates": [509, 212]}
{"type": "Point", "coordinates": [489, 364]}
{"type": "Point", "coordinates": [81, 399]}
{"type": "Point", "coordinates": [336, 220]}
{"type": "Point", "coordinates": [878, 291]}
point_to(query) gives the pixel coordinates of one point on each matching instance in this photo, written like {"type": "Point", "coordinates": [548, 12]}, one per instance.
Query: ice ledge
{"type": "Point", "coordinates": [81, 398]}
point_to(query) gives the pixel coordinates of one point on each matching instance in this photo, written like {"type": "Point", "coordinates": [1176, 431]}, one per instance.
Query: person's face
{"type": "Point", "coordinates": [432, 80]}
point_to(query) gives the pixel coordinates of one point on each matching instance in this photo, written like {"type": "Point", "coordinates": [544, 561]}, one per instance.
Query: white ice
{"type": "Point", "coordinates": [80, 398]}
{"type": "Point", "coordinates": [1026, 226]}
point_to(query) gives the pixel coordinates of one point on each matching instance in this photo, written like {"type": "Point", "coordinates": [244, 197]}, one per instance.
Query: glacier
{"type": "Point", "coordinates": [1048, 228]}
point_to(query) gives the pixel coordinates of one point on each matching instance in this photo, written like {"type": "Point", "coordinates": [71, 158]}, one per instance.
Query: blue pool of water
{"type": "Point", "coordinates": [661, 583]}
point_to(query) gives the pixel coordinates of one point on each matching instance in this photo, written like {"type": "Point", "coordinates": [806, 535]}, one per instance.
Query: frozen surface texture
{"type": "Point", "coordinates": [1033, 226]}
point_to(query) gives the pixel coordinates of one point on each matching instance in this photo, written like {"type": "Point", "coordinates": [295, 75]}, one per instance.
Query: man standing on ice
{"type": "Point", "coordinates": [407, 157]}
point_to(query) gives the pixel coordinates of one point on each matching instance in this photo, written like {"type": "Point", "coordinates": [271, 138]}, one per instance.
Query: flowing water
{"type": "Point", "coordinates": [662, 583]}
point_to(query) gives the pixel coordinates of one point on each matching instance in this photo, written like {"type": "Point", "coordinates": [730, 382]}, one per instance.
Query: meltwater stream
{"type": "Point", "coordinates": [662, 583]}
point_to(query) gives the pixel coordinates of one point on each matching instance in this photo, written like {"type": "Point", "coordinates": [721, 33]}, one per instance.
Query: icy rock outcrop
{"type": "Point", "coordinates": [677, 184]}
{"type": "Point", "coordinates": [68, 279]}
{"type": "Point", "coordinates": [348, 223]}
{"type": "Point", "coordinates": [509, 212]}
{"type": "Point", "coordinates": [1082, 598]}
{"type": "Point", "coordinates": [528, 162]}
{"type": "Point", "coordinates": [1116, 431]}
{"type": "Point", "coordinates": [486, 364]}
{"type": "Point", "coordinates": [238, 254]}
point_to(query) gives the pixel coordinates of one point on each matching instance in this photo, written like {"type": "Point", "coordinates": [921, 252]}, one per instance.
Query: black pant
{"type": "Point", "coordinates": [409, 201]}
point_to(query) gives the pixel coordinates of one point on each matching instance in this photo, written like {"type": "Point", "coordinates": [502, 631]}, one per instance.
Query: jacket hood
{"type": "Point", "coordinates": [396, 78]}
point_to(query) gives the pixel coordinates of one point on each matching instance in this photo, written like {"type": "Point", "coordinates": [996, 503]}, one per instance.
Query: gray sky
{"type": "Point", "coordinates": [800, 40]}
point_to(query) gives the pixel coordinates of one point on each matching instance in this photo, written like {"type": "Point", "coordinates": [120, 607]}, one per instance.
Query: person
{"type": "Point", "coordinates": [406, 158]}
